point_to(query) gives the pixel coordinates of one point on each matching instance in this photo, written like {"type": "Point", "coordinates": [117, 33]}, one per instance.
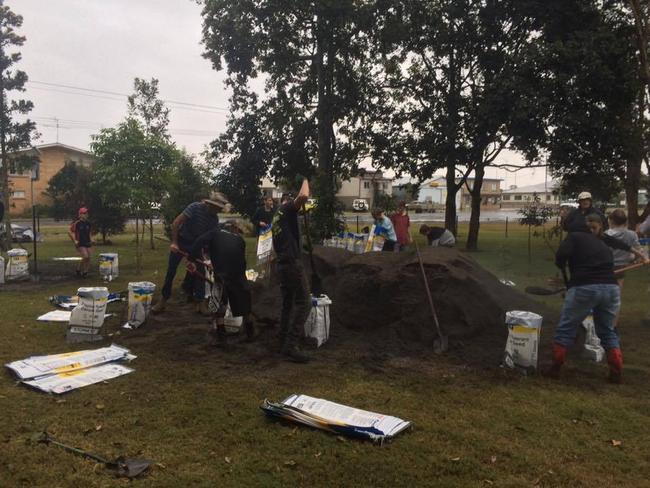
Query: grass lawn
{"type": "Point", "coordinates": [200, 421]}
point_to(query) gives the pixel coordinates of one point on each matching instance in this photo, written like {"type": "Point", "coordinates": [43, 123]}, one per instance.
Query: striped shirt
{"type": "Point", "coordinates": [199, 221]}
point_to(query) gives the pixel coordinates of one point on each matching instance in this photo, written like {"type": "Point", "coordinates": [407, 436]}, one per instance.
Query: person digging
{"type": "Point", "coordinates": [296, 300]}
{"type": "Point", "coordinates": [592, 288]}
{"type": "Point", "coordinates": [80, 233]}
{"type": "Point", "coordinates": [227, 250]}
{"type": "Point", "coordinates": [197, 219]}
{"type": "Point", "coordinates": [575, 220]}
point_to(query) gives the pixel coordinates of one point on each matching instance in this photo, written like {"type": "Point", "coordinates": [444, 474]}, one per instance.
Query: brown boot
{"type": "Point", "coordinates": [217, 336]}
{"type": "Point", "coordinates": [159, 307]}
{"type": "Point", "coordinates": [559, 356]}
{"type": "Point", "coordinates": [615, 361]}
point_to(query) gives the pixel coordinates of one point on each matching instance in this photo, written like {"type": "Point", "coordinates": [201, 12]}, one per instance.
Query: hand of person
{"type": "Point", "coordinates": [173, 247]}
{"type": "Point", "coordinates": [191, 267]}
{"type": "Point", "coordinates": [263, 224]}
{"type": "Point", "coordinates": [76, 243]}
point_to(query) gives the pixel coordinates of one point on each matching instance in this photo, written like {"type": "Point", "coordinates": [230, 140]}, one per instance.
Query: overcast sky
{"type": "Point", "coordinates": [104, 44]}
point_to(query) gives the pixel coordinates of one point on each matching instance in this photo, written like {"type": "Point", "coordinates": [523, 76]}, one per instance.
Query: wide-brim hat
{"type": "Point", "coordinates": [217, 199]}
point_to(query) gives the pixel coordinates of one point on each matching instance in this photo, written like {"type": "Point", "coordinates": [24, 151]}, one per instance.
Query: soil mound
{"type": "Point", "coordinates": [381, 297]}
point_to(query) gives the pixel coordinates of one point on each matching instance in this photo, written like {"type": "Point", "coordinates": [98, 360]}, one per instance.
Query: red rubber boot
{"type": "Point", "coordinates": [559, 356]}
{"type": "Point", "coordinates": [615, 361]}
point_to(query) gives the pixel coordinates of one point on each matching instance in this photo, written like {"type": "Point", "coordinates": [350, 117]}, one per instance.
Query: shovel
{"type": "Point", "coordinates": [441, 344]}
{"type": "Point", "coordinates": [539, 290]}
{"type": "Point", "coordinates": [124, 467]}
{"type": "Point", "coordinates": [316, 283]}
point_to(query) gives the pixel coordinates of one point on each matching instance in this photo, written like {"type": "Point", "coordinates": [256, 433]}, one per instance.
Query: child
{"type": "Point", "coordinates": [438, 236]}
{"type": "Point", "coordinates": [384, 227]}
{"type": "Point", "coordinates": [80, 234]}
{"type": "Point", "coordinates": [401, 223]}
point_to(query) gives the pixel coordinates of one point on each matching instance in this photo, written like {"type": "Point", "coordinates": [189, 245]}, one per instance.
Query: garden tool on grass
{"type": "Point", "coordinates": [316, 283]}
{"type": "Point", "coordinates": [441, 344]}
{"type": "Point", "coordinates": [124, 467]}
{"type": "Point", "coordinates": [540, 290]}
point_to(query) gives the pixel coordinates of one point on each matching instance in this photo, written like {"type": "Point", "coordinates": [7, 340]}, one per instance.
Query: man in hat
{"type": "Point", "coordinates": [575, 221]}
{"type": "Point", "coordinates": [79, 233]}
{"type": "Point", "coordinates": [296, 302]}
{"type": "Point", "coordinates": [197, 219]}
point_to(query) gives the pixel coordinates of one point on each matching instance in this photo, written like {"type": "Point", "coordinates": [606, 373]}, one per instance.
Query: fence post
{"type": "Point", "coordinates": [34, 231]}
{"type": "Point", "coordinates": [357, 224]}
{"type": "Point", "coordinates": [506, 226]}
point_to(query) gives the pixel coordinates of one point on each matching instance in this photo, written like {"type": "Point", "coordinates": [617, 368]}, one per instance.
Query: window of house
{"type": "Point", "coordinates": [384, 185]}
{"type": "Point", "coordinates": [506, 197]}
{"type": "Point", "coordinates": [366, 185]}
{"type": "Point", "coordinates": [518, 197]}
{"type": "Point", "coordinates": [493, 186]}
{"type": "Point", "coordinates": [548, 198]}
{"type": "Point", "coordinates": [18, 194]}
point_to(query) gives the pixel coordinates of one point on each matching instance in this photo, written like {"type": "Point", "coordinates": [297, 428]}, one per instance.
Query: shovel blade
{"type": "Point", "coordinates": [131, 468]}
{"type": "Point", "coordinates": [441, 344]}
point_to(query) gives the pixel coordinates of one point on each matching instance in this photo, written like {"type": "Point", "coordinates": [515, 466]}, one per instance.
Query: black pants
{"type": "Point", "coordinates": [196, 284]}
{"type": "Point", "coordinates": [296, 301]}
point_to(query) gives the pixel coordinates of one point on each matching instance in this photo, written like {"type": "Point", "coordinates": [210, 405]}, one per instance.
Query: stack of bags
{"type": "Point", "coordinates": [60, 373]}
{"type": "Point", "coordinates": [336, 418]}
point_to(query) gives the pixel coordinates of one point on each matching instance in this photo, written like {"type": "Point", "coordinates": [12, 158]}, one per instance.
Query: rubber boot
{"type": "Point", "coordinates": [291, 353]}
{"type": "Point", "coordinates": [615, 361]}
{"type": "Point", "coordinates": [559, 357]}
{"type": "Point", "coordinates": [159, 307]}
{"type": "Point", "coordinates": [249, 331]}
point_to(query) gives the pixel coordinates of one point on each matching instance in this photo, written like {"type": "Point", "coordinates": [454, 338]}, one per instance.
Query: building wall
{"type": "Point", "coordinates": [52, 160]}
{"type": "Point", "coordinates": [518, 200]}
{"type": "Point", "coordinates": [362, 187]}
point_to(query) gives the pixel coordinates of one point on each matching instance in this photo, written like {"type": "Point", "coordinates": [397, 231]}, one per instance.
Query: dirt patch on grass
{"type": "Point", "coordinates": [379, 312]}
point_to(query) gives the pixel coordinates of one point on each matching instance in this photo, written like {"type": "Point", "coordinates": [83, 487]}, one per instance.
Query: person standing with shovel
{"type": "Point", "coordinates": [296, 302]}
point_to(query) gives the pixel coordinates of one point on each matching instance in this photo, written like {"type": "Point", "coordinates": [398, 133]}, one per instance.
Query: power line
{"type": "Point", "coordinates": [107, 92]}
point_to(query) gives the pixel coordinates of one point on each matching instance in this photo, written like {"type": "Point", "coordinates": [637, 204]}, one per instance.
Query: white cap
{"type": "Point", "coordinates": [585, 195]}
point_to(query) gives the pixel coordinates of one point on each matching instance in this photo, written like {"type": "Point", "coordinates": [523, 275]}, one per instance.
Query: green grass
{"type": "Point", "coordinates": [471, 427]}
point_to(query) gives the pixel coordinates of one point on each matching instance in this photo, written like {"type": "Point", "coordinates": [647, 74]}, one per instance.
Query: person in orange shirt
{"type": "Point", "coordinates": [401, 223]}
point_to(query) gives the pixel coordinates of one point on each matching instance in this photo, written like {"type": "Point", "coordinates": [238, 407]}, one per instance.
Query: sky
{"type": "Point", "coordinates": [102, 45]}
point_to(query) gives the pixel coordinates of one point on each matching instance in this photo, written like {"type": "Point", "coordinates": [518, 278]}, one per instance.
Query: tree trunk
{"type": "Point", "coordinates": [475, 218]}
{"type": "Point", "coordinates": [450, 200]}
{"type": "Point", "coordinates": [138, 240]}
{"type": "Point", "coordinates": [4, 174]}
{"type": "Point", "coordinates": [633, 173]}
{"type": "Point", "coordinates": [151, 241]}
{"type": "Point", "coordinates": [104, 236]}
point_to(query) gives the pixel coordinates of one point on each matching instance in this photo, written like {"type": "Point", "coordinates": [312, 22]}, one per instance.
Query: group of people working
{"type": "Point", "coordinates": [594, 248]}
{"type": "Point", "coordinates": [396, 230]}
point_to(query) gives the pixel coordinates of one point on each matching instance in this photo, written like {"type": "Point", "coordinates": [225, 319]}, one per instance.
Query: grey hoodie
{"type": "Point", "coordinates": [629, 237]}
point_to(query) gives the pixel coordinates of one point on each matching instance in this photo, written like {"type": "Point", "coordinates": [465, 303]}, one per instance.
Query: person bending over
{"type": "Point", "coordinates": [384, 227]}
{"type": "Point", "coordinates": [438, 236]}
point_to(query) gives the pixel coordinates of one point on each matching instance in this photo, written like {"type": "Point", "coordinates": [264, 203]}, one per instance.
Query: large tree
{"type": "Point", "coordinates": [458, 76]}
{"type": "Point", "coordinates": [315, 60]}
{"type": "Point", "coordinates": [14, 134]}
{"type": "Point", "coordinates": [131, 169]}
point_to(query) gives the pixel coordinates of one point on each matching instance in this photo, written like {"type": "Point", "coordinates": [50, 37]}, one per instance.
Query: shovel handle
{"type": "Point", "coordinates": [426, 286]}
{"type": "Point", "coordinates": [630, 267]}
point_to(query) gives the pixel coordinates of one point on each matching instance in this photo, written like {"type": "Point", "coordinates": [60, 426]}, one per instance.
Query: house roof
{"type": "Point", "coordinates": [538, 188]}
{"type": "Point", "coordinates": [40, 147]}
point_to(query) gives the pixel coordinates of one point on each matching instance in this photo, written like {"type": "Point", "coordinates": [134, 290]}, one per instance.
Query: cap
{"type": "Point", "coordinates": [217, 199]}
{"type": "Point", "coordinates": [585, 195]}
{"type": "Point", "coordinates": [83, 210]}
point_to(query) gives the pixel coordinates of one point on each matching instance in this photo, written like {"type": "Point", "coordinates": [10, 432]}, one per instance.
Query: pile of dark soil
{"type": "Point", "coordinates": [380, 303]}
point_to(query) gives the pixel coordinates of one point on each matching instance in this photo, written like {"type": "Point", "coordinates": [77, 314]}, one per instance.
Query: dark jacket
{"type": "Point", "coordinates": [576, 220]}
{"type": "Point", "coordinates": [262, 215]}
{"type": "Point", "coordinates": [589, 257]}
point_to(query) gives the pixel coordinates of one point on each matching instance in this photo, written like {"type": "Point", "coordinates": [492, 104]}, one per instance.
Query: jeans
{"type": "Point", "coordinates": [175, 258]}
{"type": "Point", "coordinates": [296, 301]}
{"type": "Point", "coordinates": [603, 300]}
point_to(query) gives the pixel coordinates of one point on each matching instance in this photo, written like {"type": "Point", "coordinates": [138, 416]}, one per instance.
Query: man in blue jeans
{"type": "Point", "coordinates": [592, 288]}
{"type": "Point", "coordinates": [197, 219]}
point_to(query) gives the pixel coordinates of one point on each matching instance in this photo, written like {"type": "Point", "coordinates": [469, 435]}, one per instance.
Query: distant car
{"type": "Point", "coordinates": [19, 233]}
{"type": "Point", "coordinates": [360, 205]}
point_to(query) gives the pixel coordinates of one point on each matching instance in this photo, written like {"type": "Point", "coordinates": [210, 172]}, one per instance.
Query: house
{"type": "Point", "coordinates": [29, 185]}
{"type": "Point", "coordinates": [270, 189]}
{"type": "Point", "coordinates": [434, 191]}
{"type": "Point", "coordinates": [403, 189]}
{"type": "Point", "coordinates": [517, 197]}
{"type": "Point", "coordinates": [365, 185]}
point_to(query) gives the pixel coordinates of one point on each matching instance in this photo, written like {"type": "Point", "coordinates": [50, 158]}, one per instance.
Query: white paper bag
{"type": "Point", "coordinates": [109, 266]}
{"type": "Point", "coordinates": [317, 325]}
{"type": "Point", "coordinates": [140, 297]}
{"type": "Point", "coordinates": [17, 264]}
{"type": "Point", "coordinates": [88, 316]}
{"type": "Point", "coordinates": [523, 340]}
